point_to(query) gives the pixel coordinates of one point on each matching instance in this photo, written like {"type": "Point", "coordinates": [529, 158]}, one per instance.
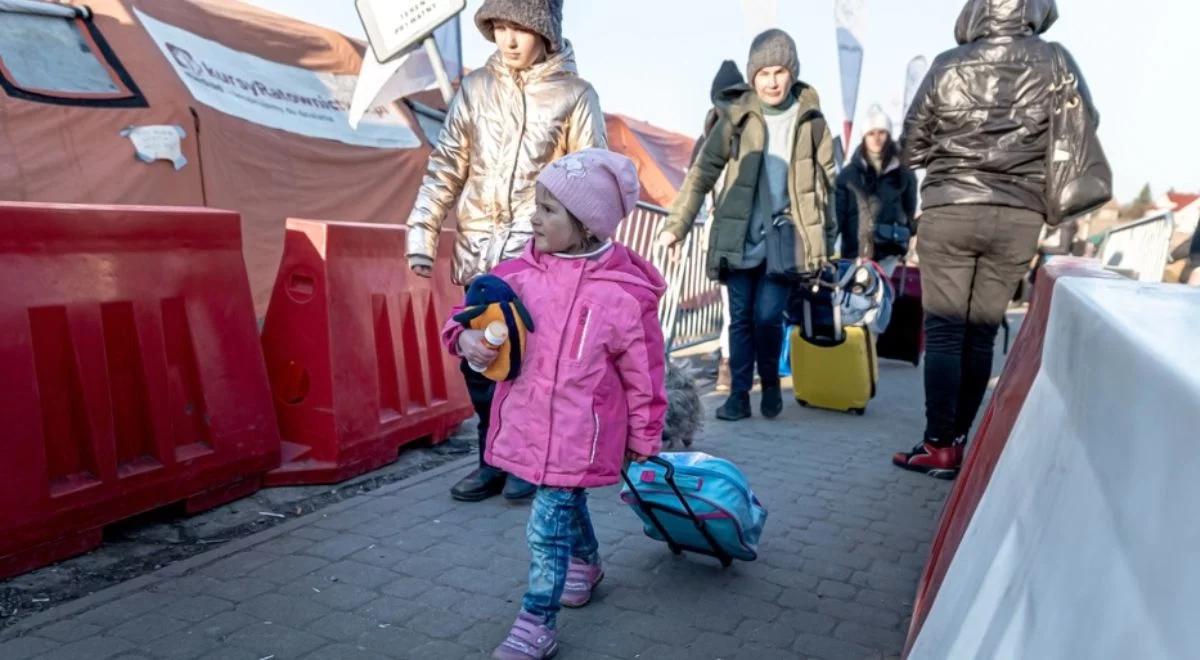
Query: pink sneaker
{"type": "Point", "coordinates": [582, 579]}
{"type": "Point", "coordinates": [529, 639]}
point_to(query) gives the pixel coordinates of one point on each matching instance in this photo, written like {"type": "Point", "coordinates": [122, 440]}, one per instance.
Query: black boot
{"type": "Point", "coordinates": [736, 408]}
{"type": "Point", "coordinates": [772, 401]}
{"type": "Point", "coordinates": [481, 484]}
{"type": "Point", "coordinates": [516, 488]}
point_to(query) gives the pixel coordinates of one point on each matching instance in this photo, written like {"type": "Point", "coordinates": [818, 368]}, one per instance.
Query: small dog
{"type": "Point", "coordinates": [685, 413]}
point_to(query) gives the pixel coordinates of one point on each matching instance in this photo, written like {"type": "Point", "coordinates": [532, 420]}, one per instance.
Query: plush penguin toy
{"type": "Point", "coordinates": [491, 299]}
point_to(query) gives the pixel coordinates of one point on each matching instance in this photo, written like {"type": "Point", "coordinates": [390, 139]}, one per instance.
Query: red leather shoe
{"type": "Point", "coordinates": [940, 462]}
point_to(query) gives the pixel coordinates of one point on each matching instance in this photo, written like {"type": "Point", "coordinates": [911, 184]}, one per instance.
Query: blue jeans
{"type": "Point", "coordinates": [756, 305]}
{"type": "Point", "coordinates": [559, 528]}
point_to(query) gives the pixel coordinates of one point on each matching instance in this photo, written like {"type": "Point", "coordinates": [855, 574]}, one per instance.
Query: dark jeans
{"type": "Point", "coordinates": [756, 305]}
{"type": "Point", "coordinates": [481, 390]}
{"type": "Point", "coordinates": [972, 259]}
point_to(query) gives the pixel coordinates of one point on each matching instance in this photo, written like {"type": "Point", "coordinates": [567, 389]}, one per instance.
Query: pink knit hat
{"type": "Point", "coordinates": [597, 186]}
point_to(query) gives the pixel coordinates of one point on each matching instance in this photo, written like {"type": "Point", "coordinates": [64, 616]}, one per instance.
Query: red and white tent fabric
{"type": "Point", "coordinates": [1072, 532]}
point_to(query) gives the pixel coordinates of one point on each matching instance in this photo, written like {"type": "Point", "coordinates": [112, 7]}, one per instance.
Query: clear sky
{"type": "Point", "coordinates": [655, 59]}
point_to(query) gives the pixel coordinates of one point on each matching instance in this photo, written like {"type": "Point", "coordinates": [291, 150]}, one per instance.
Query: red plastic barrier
{"type": "Point", "coordinates": [133, 376]}
{"type": "Point", "coordinates": [353, 351]}
{"type": "Point", "coordinates": [1024, 363]}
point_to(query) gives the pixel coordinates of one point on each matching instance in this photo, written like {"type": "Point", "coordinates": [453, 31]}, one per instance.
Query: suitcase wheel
{"type": "Point", "coordinates": [802, 402]}
{"type": "Point", "coordinates": [916, 362]}
{"type": "Point", "coordinates": [859, 411]}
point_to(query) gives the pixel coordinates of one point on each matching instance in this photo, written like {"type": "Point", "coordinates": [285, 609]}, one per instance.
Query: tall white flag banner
{"type": "Point", "coordinates": [851, 22]}
{"type": "Point", "coordinates": [410, 73]}
{"type": "Point", "coordinates": [280, 96]}
{"type": "Point", "coordinates": [917, 69]}
{"type": "Point", "coordinates": [760, 15]}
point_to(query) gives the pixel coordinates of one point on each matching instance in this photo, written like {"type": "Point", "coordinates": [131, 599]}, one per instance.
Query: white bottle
{"type": "Point", "coordinates": [494, 336]}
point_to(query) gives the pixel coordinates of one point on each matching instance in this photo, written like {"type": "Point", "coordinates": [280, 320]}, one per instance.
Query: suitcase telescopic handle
{"type": "Point", "coordinates": [669, 477]}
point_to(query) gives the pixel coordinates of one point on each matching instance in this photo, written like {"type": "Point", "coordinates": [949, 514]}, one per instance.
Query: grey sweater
{"type": "Point", "coordinates": [772, 195]}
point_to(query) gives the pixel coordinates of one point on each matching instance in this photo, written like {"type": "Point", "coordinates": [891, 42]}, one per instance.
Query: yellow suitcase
{"type": "Point", "coordinates": [835, 377]}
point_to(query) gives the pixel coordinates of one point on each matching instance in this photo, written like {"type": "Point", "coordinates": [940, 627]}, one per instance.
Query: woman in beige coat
{"type": "Point", "coordinates": [526, 108]}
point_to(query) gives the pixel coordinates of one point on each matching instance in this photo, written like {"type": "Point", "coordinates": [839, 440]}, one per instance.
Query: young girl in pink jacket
{"type": "Point", "coordinates": [591, 390]}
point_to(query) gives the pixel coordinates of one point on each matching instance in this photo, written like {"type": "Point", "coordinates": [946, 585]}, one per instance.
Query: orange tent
{"type": "Point", "coordinates": [54, 148]}
{"type": "Point", "coordinates": [68, 144]}
{"type": "Point", "coordinates": [662, 157]}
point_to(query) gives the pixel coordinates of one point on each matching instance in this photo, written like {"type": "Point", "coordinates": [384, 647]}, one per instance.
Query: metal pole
{"type": "Point", "coordinates": [439, 68]}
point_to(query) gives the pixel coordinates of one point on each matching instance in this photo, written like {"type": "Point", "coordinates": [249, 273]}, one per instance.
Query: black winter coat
{"type": "Point", "coordinates": [867, 199]}
{"type": "Point", "coordinates": [979, 121]}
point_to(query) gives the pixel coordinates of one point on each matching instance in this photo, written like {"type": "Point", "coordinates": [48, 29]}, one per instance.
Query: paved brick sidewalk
{"type": "Point", "coordinates": [407, 573]}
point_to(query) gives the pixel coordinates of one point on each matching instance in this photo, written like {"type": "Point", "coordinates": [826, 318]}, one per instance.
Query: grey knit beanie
{"type": "Point", "coordinates": [773, 48]}
{"type": "Point", "coordinates": [541, 16]}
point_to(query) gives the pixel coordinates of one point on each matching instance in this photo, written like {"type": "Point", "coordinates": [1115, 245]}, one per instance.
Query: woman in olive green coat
{"type": "Point", "coordinates": [772, 223]}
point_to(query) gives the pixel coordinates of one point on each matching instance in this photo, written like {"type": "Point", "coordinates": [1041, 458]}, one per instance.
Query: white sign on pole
{"type": "Point", "coordinates": [917, 69]}
{"type": "Point", "coordinates": [415, 71]}
{"type": "Point", "coordinates": [851, 23]}
{"type": "Point", "coordinates": [280, 96]}
{"type": "Point", "coordinates": [393, 26]}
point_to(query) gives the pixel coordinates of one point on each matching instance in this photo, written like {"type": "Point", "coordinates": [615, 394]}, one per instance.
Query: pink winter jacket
{"type": "Point", "coordinates": [592, 377]}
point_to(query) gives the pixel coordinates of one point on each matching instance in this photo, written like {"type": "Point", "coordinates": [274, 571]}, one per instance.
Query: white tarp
{"type": "Point", "coordinates": [276, 95]}
{"type": "Point", "coordinates": [1084, 544]}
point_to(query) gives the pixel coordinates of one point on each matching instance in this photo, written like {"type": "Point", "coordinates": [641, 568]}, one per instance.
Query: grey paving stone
{"type": "Point", "coordinates": [125, 609]}
{"type": "Point", "coordinates": [772, 635]}
{"type": "Point", "coordinates": [68, 631]}
{"type": "Point", "coordinates": [25, 647]}
{"type": "Point", "coordinates": [242, 563]}
{"type": "Point", "coordinates": [198, 608]}
{"type": "Point", "coordinates": [340, 626]}
{"type": "Point", "coordinates": [224, 624]}
{"type": "Point", "coordinates": [346, 652]}
{"type": "Point", "coordinates": [829, 648]}
{"type": "Point", "coordinates": [147, 628]}
{"type": "Point", "coordinates": [859, 613]}
{"type": "Point", "coordinates": [287, 569]}
{"type": "Point", "coordinates": [870, 636]}
{"type": "Point", "coordinates": [440, 650]}
{"type": "Point", "coordinates": [281, 609]}
{"type": "Point", "coordinates": [345, 597]}
{"type": "Point", "coordinates": [92, 648]}
{"type": "Point", "coordinates": [277, 640]}
{"type": "Point", "coordinates": [340, 546]}
{"type": "Point", "coordinates": [831, 589]}
{"type": "Point", "coordinates": [240, 590]}
{"type": "Point", "coordinates": [183, 645]}
{"type": "Point", "coordinates": [345, 520]}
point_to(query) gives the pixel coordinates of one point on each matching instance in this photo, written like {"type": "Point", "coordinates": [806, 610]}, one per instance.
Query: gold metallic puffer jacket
{"type": "Point", "coordinates": [502, 128]}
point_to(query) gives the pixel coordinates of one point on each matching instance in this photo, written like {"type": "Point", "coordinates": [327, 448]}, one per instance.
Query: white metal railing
{"type": "Point", "coordinates": [1140, 248]}
{"type": "Point", "coordinates": [691, 311]}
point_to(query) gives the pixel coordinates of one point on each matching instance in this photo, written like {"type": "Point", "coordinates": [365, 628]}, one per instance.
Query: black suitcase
{"type": "Point", "coordinates": [905, 336]}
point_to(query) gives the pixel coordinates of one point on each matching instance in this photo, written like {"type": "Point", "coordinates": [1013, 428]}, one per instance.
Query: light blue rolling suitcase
{"type": "Point", "coordinates": [698, 503]}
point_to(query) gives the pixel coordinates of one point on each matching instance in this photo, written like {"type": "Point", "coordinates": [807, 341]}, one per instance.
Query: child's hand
{"type": "Point", "coordinates": [634, 457]}
{"type": "Point", "coordinates": [471, 345]}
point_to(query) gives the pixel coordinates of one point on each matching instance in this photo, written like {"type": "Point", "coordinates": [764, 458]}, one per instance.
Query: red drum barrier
{"type": "Point", "coordinates": [133, 375]}
{"type": "Point", "coordinates": [353, 351]}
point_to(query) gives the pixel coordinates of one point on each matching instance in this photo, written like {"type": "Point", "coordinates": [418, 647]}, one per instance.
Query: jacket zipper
{"type": "Point", "coordinates": [562, 340]}
{"type": "Point", "coordinates": [595, 435]}
{"type": "Point", "coordinates": [581, 333]}
{"type": "Point", "coordinates": [512, 175]}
